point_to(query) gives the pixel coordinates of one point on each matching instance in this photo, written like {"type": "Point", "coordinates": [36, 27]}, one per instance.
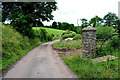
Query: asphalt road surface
{"type": "Point", "coordinates": [41, 62]}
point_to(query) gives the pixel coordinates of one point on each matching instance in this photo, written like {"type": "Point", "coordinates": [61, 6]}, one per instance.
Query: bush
{"type": "Point", "coordinates": [73, 33]}
{"type": "Point", "coordinates": [77, 37]}
{"type": "Point", "coordinates": [104, 30]}
{"type": "Point", "coordinates": [68, 34]}
{"type": "Point", "coordinates": [109, 47]}
{"type": "Point", "coordinates": [115, 42]}
{"type": "Point", "coordinates": [43, 35]}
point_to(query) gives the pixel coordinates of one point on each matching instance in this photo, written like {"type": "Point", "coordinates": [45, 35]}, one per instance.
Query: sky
{"type": "Point", "coordinates": [72, 10]}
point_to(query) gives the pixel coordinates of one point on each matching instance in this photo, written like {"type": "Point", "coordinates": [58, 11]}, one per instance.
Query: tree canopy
{"type": "Point", "coordinates": [35, 11]}
{"type": "Point", "coordinates": [110, 18]}
{"type": "Point", "coordinates": [96, 20]}
{"type": "Point", "coordinates": [25, 14]}
{"type": "Point", "coordinates": [84, 22]}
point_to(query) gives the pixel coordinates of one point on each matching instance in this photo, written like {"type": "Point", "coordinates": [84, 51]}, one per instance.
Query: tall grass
{"type": "Point", "coordinates": [14, 45]}
{"type": "Point", "coordinates": [85, 68]}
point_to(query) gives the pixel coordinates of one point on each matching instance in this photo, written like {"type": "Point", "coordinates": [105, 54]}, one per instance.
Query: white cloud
{"type": "Point", "coordinates": [71, 10]}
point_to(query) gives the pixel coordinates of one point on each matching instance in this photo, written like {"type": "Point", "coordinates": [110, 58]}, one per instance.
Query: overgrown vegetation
{"type": "Point", "coordinates": [110, 46]}
{"type": "Point", "coordinates": [43, 35]}
{"type": "Point", "coordinates": [103, 30]}
{"type": "Point", "coordinates": [14, 45]}
{"type": "Point", "coordinates": [85, 68]}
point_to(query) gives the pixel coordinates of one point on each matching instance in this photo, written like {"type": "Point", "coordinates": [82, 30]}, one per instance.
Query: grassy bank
{"type": "Point", "coordinates": [14, 45]}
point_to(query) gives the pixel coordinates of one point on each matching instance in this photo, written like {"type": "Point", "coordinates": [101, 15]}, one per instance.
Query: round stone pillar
{"type": "Point", "coordinates": [88, 42]}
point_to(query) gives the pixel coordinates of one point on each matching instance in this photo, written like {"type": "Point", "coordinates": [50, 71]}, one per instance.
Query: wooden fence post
{"type": "Point", "coordinates": [89, 42]}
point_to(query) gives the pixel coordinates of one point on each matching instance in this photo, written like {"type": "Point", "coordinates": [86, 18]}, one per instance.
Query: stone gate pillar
{"type": "Point", "coordinates": [88, 42]}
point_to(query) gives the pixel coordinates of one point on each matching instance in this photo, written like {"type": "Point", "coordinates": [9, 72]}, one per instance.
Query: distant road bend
{"type": "Point", "coordinates": [41, 62]}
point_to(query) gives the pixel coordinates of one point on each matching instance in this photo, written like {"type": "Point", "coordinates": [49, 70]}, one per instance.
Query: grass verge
{"type": "Point", "coordinates": [7, 62]}
{"type": "Point", "coordinates": [70, 44]}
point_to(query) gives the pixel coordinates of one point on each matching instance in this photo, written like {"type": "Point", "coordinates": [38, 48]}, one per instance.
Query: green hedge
{"type": "Point", "coordinates": [43, 35]}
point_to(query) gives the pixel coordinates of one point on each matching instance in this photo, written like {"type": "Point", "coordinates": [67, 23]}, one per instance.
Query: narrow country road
{"type": "Point", "coordinates": [41, 62]}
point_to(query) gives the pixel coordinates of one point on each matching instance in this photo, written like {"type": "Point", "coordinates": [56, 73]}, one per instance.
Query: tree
{"type": "Point", "coordinates": [84, 23]}
{"type": "Point", "coordinates": [118, 26]}
{"type": "Point", "coordinates": [27, 14]}
{"type": "Point", "coordinates": [54, 24]}
{"type": "Point", "coordinates": [110, 18]}
{"type": "Point", "coordinates": [96, 20]}
{"type": "Point", "coordinates": [65, 25]}
{"type": "Point", "coordinates": [59, 25]}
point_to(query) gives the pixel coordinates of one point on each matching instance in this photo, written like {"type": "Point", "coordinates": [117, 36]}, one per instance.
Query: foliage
{"type": "Point", "coordinates": [110, 47]}
{"type": "Point", "coordinates": [27, 14]}
{"type": "Point", "coordinates": [117, 22]}
{"type": "Point", "coordinates": [66, 26]}
{"type": "Point", "coordinates": [96, 20]}
{"type": "Point", "coordinates": [54, 24]}
{"type": "Point", "coordinates": [77, 37]}
{"type": "Point", "coordinates": [67, 44]}
{"type": "Point", "coordinates": [102, 30]}
{"type": "Point", "coordinates": [85, 68]}
{"type": "Point", "coordinates": [78, 29]}
{"type": "Point", "coordinates": [63, 26]}
{"type": "Point", "coordinates": [14, 45]}
{"type": "Point", "coordinates": [22, 25]}
{"type": "Point", "coordinates": [115, 42]}
{"type": "Point", "coordinates": [37, 11]}
{"type": "Point", "coordinates": [85, 23]}
{"type": "Point", "coordinates": [43, 35]}
{"type": "Point", "coordinates": [68, 34]}
{"type": "Point", "coordinates": [110, 18]}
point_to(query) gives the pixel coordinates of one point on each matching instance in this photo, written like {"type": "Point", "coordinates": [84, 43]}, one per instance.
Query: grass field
{"type": "Point", "coordinates": [50, 30]}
